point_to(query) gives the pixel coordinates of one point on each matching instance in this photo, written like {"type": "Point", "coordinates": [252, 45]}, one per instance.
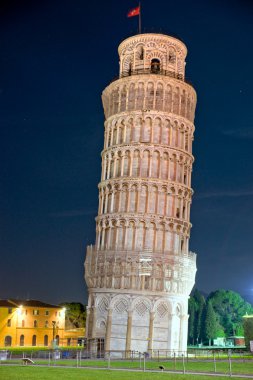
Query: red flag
{"type": "Point", "coordinates": [134, 12]}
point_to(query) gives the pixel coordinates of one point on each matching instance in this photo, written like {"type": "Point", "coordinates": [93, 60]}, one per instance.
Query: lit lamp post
{"type": "Point", "coordinates": [54, 328]}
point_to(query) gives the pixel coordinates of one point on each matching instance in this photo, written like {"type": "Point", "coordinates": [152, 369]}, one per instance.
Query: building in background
{"type": "Point", "coordinates": [34, 323]}
{"type": "Point", "coordinates": [248, 331]}
{"type": "Point", "coordinates": [141, 272]}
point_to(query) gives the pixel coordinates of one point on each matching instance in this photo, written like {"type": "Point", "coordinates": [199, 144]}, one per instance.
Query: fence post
{"type": "Point", "coordinates": [144, 361]}
{"type": "Point", "coordinates": [175, 361]}
{"type": "Point", "coordinates": [49, 358]}
{"type": "Point", "coordinates": [214, 361]}
{"type": "Point", "coordinates": [230, 365]}
{"type": "Point", "coordinates": [109, 360]}
{"type": "Point", "coordinates": [140, 359]}
{"type": "Point", "coordinates": [183, 364]}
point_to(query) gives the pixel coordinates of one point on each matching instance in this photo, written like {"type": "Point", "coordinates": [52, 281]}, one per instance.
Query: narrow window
{"type": "Point", "coordinates": [22, 340]}
{"type": "Point", "coordinates": [46, 340]}
{"type": "Point", "coordinates": [155, 66]}
{"type": "Point", "coordinates": [9, 323]}
{"type": "Point", "coordinates": [35, 324]}
{"type": "Point", "coordinates": [7, 341]}
{"type": "Point", "coordinates": [34, 340]}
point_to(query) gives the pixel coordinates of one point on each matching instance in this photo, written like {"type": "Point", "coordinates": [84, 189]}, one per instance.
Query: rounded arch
{"type": "Point", "coordinates": [57, 339]}
{"type": "Point", "coordinates": [155, 54]}
{"type": "Point", "coordinates": [34, 340]}
{"type": "Point", "coordinates": [139, 52]}
{"type": "Point", "coordinates": [163, 304]}
{"type": "Point", "coordinates": [45, 340]}
{"type": "Point", "coordinates": [101, 324]}
{"type": "Point", "coordinates": [127, 65]}
{"type": "Point", "coordinates": [141, 305]}
{"type": "Point", "coordinates": [102, 303]}
{"type": "Point", "coordinates": [155, 65]}
{"type": "Point", "coordinates": [8, 341]}
{"type": "Point", "coordinates": [172, 56]}
{"type": "Point", "coordinates": [120, 304]}
{"type": "Point", "coordinates": [177, 309]}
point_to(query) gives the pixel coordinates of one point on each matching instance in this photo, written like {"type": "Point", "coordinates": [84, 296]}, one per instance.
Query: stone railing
{"type": "Point", "coordinates": [171, 74]}
{"type": "Point", "coordinates": [144, 270]}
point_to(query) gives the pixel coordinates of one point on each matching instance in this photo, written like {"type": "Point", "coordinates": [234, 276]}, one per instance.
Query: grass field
{"type": "Point", "coordinates": [238, 367]}
{"type": "Point", "coordinates": [51, 373]}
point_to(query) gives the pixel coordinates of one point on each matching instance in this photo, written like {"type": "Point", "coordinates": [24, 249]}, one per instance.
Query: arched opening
{"type": "Point", "coordinates": [140, 52]}
{"type": "Point", "coordinates": [57, 338]}
{"type": "Point", "coordinates": [7, 341]}
{"type": "Point", "coordinates": [34, 340]}
{"type": "Point", "coordinates": [46, 340]}
{"type": "Point", "coordinates": [155, 66]}
{"type": "Point", "coordinates": [22, 340]}
{"type": "Point", "coordinates": [130, 69]}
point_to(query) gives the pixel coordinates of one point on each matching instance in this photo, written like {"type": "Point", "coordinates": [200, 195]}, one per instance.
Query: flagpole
{"type": "Point", "coordinates": [140, 18]}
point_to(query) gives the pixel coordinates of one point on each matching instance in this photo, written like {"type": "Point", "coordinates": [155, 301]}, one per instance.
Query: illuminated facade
{"type": "Point", "coordinates": [141, 272]}
{"type": "Point", "coordinates": [32, 323]}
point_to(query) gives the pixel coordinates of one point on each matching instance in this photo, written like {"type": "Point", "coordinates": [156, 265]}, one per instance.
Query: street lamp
{"type": "Point", "coordinates": [54, 326]}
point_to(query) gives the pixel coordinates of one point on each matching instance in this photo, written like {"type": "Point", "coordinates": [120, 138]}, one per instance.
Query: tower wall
{"type": "Point", "coordinates": [140, 271]}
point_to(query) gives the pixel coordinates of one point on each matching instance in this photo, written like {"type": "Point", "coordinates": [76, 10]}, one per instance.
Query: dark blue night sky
{"type": "Point", "coordinates": [56, 57]}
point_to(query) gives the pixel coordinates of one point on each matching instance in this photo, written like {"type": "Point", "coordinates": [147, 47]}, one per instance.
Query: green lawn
{"type": "Point", "coordinates": [238, 367]}
{"type": "Point", "coordinates": [50, 373]}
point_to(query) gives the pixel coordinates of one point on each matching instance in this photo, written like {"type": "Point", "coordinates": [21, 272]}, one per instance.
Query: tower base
{"type": "Point", "coordinates": [138, 322]}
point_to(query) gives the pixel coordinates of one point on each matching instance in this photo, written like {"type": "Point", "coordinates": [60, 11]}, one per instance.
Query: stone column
{"type": "Point", "coordinates": [87, 322]}
{"type": "Point", "coordinates": [151, 331]}
{"type": "Point", "coordinates": [183, 333]}
{"type": "Point", "coordinates": [171, 330]}
{"type": "Point", "coordinates": [94, 322]}
{"type": "Point", "coordinates": [108, 330]}
{"type": "Point", "coordinates": [129, 330]}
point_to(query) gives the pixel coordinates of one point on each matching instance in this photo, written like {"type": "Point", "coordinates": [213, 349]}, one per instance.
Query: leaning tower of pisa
{"type": "Point", "coordinates": [140, 272]}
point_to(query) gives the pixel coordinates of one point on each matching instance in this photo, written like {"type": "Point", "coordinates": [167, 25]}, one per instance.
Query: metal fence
{"type": "Point", "coordinates": [194, 361]}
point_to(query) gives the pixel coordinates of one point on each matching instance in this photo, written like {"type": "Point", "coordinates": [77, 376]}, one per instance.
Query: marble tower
{"type": "Point", "coordinates": [140, 272]}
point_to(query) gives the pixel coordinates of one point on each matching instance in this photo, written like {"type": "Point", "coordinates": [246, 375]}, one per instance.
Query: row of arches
{"type": "Point", "coordinates": [151, 95]}
{"type": "Point", "coordinates": [116, 275]}
{"type": "Point", "coordinates": [143, 199]}
{"type": "Point", "coordinates": [140, 58]}
{"type": "Point", "coordinates": [168, 187]}
{"type": "Point", "coordinates": [121, 304]}
{"type": "Point", "coordinates": [147, 163]}
{"type": "Point", "coordinates": [33, 341]}
{"type": "Point", "coordinates": [128, 235]}
{"type": "Point", "coordinates": [149, 130]}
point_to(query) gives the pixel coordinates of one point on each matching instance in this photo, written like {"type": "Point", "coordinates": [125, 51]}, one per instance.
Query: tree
{"type": "Point", "coordinates": [211, 325]}
{"type": "Point", "coordinates": [196, 306]}
{"type": "Point", "coordinates": [75, 315]}
{"type": "Point", "coordinates": [230, 308]}
{"type": "Point", "coordinates": [191, 320]}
